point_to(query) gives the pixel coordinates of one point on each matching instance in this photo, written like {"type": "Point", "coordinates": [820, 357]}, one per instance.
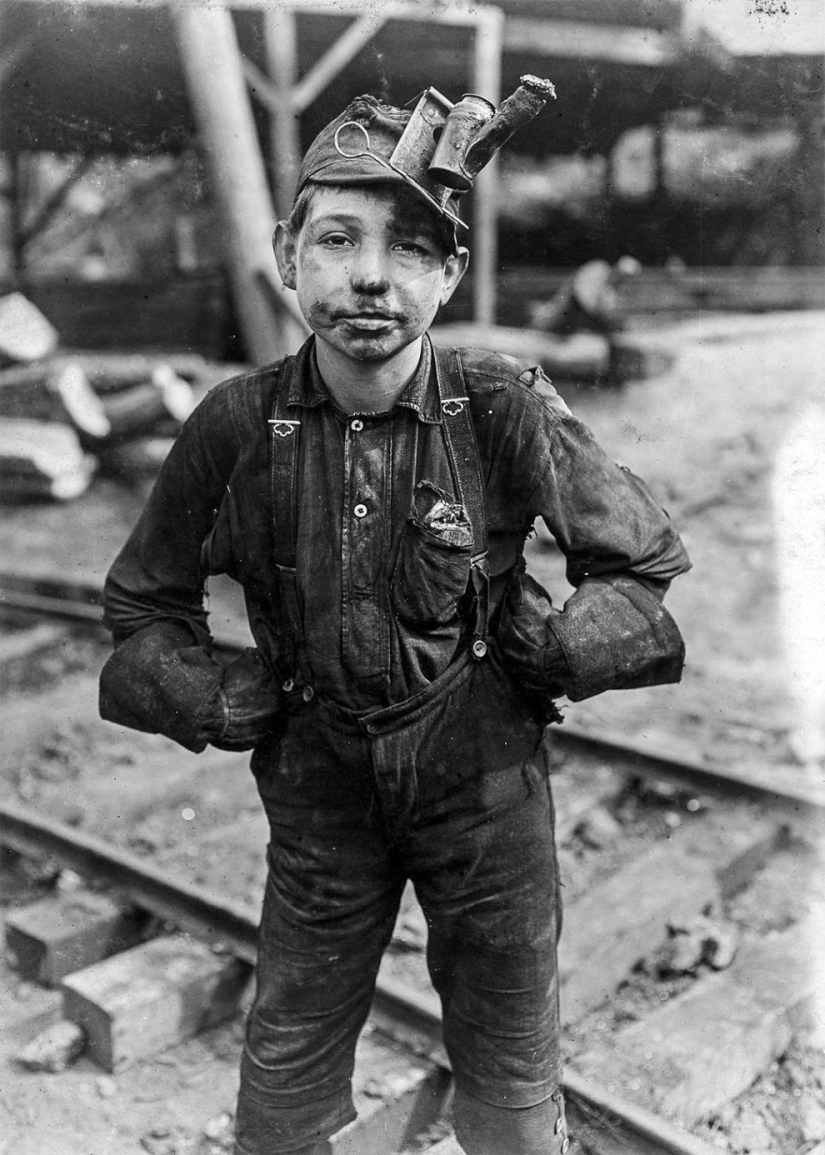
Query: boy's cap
{"type": "Point", "coordinates": [356, 149]}
{"type": "Point", "coordinates": [436, 148]}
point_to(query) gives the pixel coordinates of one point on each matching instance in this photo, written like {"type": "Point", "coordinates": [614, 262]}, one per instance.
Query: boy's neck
{"type": "Point", "coordinates": [367, 386]}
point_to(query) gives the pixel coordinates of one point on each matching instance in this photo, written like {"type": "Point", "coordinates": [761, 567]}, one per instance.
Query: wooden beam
{"type": "Point", "coordinates": [281, 48]}
{"type": "Point", "coordinates": [582, 41]}
{"type": "Point", "coordinates": [56, 200]}
{"type": "Point", "coordinates": [11, 56]}
{"type": "Point", "coordinates": [487, 47]}
{"type": "Point", "coordinates": [335, 60]}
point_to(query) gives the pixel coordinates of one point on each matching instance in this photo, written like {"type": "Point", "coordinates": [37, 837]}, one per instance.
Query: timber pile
{"type": "Point", "coordinates": [577, 334]}
{"type": "Point", "coordinates": [66, 416]}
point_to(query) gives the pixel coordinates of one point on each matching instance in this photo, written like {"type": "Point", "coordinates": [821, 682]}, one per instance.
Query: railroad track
{"type": "Point", "coordinates": [659, 1044]}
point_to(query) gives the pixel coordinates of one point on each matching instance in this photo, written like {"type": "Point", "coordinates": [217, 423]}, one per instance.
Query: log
{"type": "Point", "coordinates": [584, 357]}
{"type": "Point", "coordinates": [111, 372]}
{"type": "Point", "coordinates": [57, 391]}
{"type": "Point", "coordinates": [25, 334]}
{"type": "Point", "coordinates": [40, 460]}
{"type": "Point", "coordinates": [137, 410]}
{"type": "Point", "coordinates": [139, 458]}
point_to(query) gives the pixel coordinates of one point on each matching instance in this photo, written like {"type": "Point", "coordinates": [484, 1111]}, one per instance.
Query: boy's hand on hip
{"type": "Point", "coordinates": [252, 701]}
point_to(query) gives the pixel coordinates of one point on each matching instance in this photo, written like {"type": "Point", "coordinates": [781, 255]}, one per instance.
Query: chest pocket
{"type": "Point", "coordinates": [432, 572]}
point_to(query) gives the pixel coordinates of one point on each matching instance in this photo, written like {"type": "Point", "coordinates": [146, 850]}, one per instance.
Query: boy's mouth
{"type": "Point", "coordinates": [369, 321]}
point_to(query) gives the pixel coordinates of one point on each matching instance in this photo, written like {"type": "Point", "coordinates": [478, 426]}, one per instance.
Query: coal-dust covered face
{"type": "Point", "coordinates": [370, 267]}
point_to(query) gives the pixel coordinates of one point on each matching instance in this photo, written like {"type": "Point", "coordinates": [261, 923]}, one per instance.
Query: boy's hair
{"type": "Point", "coordinates": [412, 204]}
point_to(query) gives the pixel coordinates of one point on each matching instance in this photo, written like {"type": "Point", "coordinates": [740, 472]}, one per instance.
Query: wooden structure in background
{"type": "Point", "coordinates": [220, 81]}
{"type": "Point", "coordinates": [129, 77]}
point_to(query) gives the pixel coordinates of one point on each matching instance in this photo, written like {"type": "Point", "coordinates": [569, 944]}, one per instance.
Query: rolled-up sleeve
{"type": "Point", "coordinates": [621, 548]}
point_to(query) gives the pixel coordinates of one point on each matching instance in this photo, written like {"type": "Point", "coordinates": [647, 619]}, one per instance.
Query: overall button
{"type": "Point", "coordinates": [356, 425]}
{"type": "Point", "coordinates": [360, 510]}
{"type": "Point", "coordinates": [479, 649]}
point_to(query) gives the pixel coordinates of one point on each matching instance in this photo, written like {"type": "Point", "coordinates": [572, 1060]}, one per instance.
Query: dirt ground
{"type": "Point", "coordinates": [710, 436]}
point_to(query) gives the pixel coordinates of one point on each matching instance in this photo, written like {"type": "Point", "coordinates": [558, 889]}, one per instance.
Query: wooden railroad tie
{"type": "Point", "coordinates": [152, 997]}
{"type": "Point", "coordinates": [609, 929]}
{"type": "Point", "coordinates": [49, 939]}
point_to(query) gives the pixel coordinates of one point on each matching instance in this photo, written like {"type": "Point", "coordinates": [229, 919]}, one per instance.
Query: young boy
{"type": "Point", "coordinates": [372, 495]}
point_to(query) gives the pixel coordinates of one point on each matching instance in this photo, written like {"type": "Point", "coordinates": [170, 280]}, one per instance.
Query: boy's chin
{"type": "Point", "coordinates": [372, 347]}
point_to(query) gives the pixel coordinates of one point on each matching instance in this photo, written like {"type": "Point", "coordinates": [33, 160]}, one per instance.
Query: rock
{"type": "Point", "coordinates": [599, 828]}
{"type": "Point", "coordinates": [702, 940]}
{"type": "Point", "coordinates": [106, 1087]}
{"type": "Point", "coordinates": [751, 1136]}
{"type": "Point", "coordinates": [54, 1049]}
{"type": "Point", "coordinates": [220, 1133]}
{"type": "Point", "coordinates": [163, 1140]}
{"type": "Point", "coordinates": [812, 1121]}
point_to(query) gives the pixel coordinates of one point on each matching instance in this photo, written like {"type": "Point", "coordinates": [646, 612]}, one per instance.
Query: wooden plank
{"type": "Point", "coordinates": [584, 41]}
{"type": "Point", "coordinates": [150, 998]}
{"type": "Point", "coordinates": [396, 1093]}
{"type": "Point", "coordinates": [703, 1049]}
{"type": "Point", "coordinates": [49, 939]}
{"type": "Point", "coordinates": [609, 929]}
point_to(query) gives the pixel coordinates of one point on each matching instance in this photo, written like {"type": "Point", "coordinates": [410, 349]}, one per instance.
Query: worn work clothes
{"type": "Point", "coordinates": [380, 605]}
{"type": "Point", "coordinates": [403, 757]}
{"type": "Point", "coordinates": [451, 792]}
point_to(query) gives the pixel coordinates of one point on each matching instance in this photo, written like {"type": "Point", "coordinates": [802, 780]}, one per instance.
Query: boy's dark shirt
{"type": "Point", "coordinates": [365, 648]}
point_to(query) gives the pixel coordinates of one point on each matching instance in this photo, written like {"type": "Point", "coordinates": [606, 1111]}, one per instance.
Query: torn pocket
{"type": "Point", "coordinates": [433, 567]}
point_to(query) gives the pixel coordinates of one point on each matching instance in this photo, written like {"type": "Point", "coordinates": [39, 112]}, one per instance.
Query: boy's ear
{"type": "Point", "coordinates": [284, 246]}
{"type": "Point", "coordinates": [454, 269]}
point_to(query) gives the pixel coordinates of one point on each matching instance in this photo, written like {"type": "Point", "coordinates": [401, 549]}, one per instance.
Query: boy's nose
{"type": "Point", "coordinates": [369, 272]}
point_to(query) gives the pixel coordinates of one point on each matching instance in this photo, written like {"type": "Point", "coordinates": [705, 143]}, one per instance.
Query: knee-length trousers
{"type": "Point", "coordinates": [451, 791]}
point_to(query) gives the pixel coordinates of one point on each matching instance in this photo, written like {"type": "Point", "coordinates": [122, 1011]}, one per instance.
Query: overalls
{"type": "Point", "coordinates": [449, 789]}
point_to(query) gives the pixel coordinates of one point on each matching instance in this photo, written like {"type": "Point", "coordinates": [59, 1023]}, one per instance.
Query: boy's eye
{"type": "Point", "coordinates": [336, 240]}
{"type": "Point", "coordinates": [415, 247]}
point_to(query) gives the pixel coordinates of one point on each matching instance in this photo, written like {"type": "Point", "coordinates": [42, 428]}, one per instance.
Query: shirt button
{"type": "Point", "coordinates": [307, 693]}
{"type": "Point", "coordinates": [360, 510]}
{"type": "Point", "coordinates": [357, 425]}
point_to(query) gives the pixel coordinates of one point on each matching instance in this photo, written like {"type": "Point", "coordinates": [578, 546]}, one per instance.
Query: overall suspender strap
{"type": "Point", "coordinates": [460, 439]}
{"type": "Point", "coordinates": [284, 441]}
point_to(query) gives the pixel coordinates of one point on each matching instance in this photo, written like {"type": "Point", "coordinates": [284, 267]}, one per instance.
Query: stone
{"type": "Point", "coordinates": [53, 1049]}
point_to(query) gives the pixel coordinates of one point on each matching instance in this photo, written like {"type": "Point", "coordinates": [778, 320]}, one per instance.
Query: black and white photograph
{"type": "Point", "coordinates": [412, 577]}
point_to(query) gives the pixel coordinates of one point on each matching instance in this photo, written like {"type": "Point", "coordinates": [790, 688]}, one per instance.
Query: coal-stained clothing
{"type": "Point", "coordinates": [381, 600]}
{"type": "Point", "coordinates": [398, 749]}
{"type": "Point", "coordinates": [451, 792]}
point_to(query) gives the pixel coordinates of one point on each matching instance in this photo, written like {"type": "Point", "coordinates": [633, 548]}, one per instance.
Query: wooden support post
{"type": "Point", "coordinates": [280, 41]}
{"type": "Point", "coordinates": [212, 65]}
{"type": "Point", "coordinates": [487, 82]}
{"type": "Point", "coordinates": [285, 146]}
